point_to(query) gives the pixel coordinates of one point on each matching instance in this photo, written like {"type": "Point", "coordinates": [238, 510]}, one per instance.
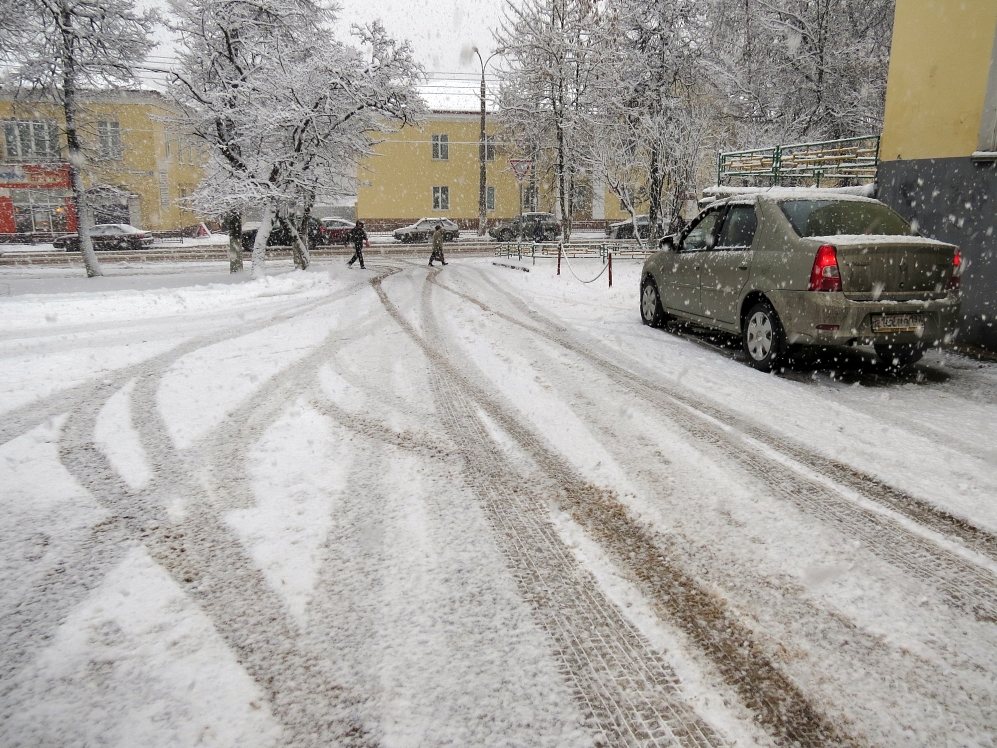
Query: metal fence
{"type": "Point", "coordinates": [593, 250]}
{"type": "Point", "coordinates": [849, 158]}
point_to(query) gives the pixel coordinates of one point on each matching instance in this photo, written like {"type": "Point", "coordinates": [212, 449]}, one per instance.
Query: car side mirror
{"type": "Point", "coordinates": [667, 244]}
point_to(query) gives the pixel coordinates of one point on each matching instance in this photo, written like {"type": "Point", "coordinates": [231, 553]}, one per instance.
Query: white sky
{"type": "Point", "coordinates": [438, 29]}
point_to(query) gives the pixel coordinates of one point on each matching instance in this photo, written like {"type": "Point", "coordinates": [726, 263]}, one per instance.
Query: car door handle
{"type": "Point", "coordinates": [742, 267]}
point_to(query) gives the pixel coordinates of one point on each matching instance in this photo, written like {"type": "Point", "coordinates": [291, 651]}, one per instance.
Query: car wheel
{"type": "Point", "coordinates": [763, 337]}
{"type": "Point", "coordinates": [898, 355]}
{"type": "Point", "coordinates": [651, 311]}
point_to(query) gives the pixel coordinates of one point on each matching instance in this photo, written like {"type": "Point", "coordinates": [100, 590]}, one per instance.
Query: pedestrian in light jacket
{"type": "Point", "coordinates": [358, 236]}
{"type": "Point", "coordinates": [437, 246]}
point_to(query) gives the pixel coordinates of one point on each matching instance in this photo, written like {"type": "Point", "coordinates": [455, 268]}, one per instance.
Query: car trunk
{"type": "Point", "coordinates": [893, 269]}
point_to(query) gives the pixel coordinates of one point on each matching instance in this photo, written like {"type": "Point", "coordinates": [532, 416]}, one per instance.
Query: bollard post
{"type": "Point", "coordinates": [610, 269]}
{"type": "Point", "coordinates": [534, 254]}
{"type": "Point", "coordinates": [559, 258]}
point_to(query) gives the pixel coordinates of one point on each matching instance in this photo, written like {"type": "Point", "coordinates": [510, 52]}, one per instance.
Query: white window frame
{"type": "Point", "coordinates": [109, 139]}
{"type": "Point", "coordinates": [22, 138]}
{"type": "Point", "coordinates": [441, 147]}
{"type": "Point", "coordinates": [489, 150]}
{"type": "Point", "coordinates": [441, 198]}
{"type": "Point", "coordinates": [489, 198]}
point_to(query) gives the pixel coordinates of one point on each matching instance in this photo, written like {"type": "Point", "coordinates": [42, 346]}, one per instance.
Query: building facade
{"type": "Point", "coordinates": [435, 171]}
{"type": "Point", "coordinates": [140, 163]}
{"type": "Point", "coordinates": [938, 152]}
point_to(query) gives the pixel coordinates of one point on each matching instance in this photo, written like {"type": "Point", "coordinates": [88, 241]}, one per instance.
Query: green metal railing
{"type": "Point", "coordinates": [849, 158]}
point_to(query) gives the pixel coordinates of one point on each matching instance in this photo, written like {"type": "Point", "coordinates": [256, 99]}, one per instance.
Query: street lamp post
{"type": "Point", "coordinates": [483, 150]}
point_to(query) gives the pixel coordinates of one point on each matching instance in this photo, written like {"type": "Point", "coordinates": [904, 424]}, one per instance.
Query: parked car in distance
{"type": "Point", "coordinates": [422, 230]}
{"type": "Point", "coordinates": [625, 229]}
{"type": "Point", "coordinates": [108, 236]}
{"type": "Point", "coordinates": [334, 230]}
{"type": "Point", "coordinates": [278, 236]}
{"type": "Point", "coordinates": [524, 227]}
{"type": "Point", "coordinates": [786, 268]}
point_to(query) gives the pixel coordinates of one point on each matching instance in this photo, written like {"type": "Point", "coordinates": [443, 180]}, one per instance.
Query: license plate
{"type": "Point", "coordinates": [897, 322]}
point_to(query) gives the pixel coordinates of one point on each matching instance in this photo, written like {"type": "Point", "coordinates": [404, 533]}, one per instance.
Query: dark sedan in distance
{"type": "Point", "coordinates": [108, 236]}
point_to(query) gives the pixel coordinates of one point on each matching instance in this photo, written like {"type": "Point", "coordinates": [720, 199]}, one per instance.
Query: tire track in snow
{"type": "Point", "coordinates": [960, 582]}
{"type": "Point", "coordinates": [631, 695]}
{"type": "Point", "coordinates": [80, 568]}
{"type": "Point", "coordinates": [22, 419]}
{"type": "Point", "coordinates": [938, 520]}
{"type": "Point", "coordinates": [778, 607]}
{"type": "Point", "coordinates": [197, 549]}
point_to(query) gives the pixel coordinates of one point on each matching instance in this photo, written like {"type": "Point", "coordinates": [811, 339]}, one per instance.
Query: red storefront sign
{"type": "Point", "coordinates": [43, 210]}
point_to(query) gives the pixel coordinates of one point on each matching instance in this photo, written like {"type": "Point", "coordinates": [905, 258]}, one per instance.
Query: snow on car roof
{"type": "Point", "coordinates": [749, 195]}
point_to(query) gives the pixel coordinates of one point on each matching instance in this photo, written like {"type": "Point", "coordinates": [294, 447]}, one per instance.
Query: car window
{"type": "Point", "coordinates": [739, 227]}
{"type": "Point", "coordinates": [848, 217]}
{"type": "Point", "coordinates": [701, 235]}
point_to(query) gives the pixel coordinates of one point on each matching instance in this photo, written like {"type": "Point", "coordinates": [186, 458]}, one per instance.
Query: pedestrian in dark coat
{"type": "Point", "coordinates": [538, 232]}
{"type": "Point", "coordinates": [359, 237]}
{"type": "Point", "coordinates": [437, 246]}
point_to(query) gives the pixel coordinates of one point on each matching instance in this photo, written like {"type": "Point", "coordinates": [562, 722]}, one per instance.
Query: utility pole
{"type": "Point", "coordinates": [483, 150]}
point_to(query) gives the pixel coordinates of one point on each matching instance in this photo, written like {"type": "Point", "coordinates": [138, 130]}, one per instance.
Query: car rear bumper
{"type": "Point", "coordinates": [829, 318]}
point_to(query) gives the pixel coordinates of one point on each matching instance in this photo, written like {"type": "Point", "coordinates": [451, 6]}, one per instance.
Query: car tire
{"type": "Point", "coordinates": [763, 337]}
{"type": "Point", "coordinates": [897, 356]}
{"type": "Point", "coordinates": [652, 313]}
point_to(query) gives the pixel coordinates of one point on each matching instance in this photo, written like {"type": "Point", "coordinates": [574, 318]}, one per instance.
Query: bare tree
{"type": "Point", "coordinates": [58, 47]}
{"type": "Point", "coordinates": [285, 119]}
{"type": "Point", "coordinates": [802, 69]}
{"type": "Point", "coordinates": [647, 121]}
{"type": "Point", "coordinates": [547, 89]}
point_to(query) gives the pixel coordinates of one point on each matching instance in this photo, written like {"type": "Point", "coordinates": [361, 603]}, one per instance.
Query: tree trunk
{"type": "Point", "coordinates": [562, 196]}
{"type": "Point", "coordinates": [299, 250]}
{"type": "Point", "coordinates": [260, 245]}
{"type": "Point", "coordinates": [233, 224]}
{"type": "Point", "coordinates": [656, 184]}
{"type": "Point", "coordinates": [76, 158]}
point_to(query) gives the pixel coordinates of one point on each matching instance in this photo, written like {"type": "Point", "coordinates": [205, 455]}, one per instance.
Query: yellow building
{"type": "Point", "coordinates": [140, 163]}
{"type": "Point", "coordinates": [938, 153]}
{"type": "Point", "coordinates": [435, 171]}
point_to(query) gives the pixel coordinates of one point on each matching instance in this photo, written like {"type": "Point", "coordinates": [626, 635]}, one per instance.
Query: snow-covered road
{"type": "Point", "coordinates": [476, 507]}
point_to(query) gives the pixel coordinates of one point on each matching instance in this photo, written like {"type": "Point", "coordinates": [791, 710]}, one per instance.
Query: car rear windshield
{"type": "Point", "coordinates": [836, 217]}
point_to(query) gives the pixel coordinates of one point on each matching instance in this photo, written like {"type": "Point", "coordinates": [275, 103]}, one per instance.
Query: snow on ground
{"type": "Point", "coordinates": [475, 507]}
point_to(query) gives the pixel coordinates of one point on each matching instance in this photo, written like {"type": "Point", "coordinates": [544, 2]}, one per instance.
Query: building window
{"type": "Point", "coordinates": [441, 198]}
{"type": "Point", "coordinates": [490, 198]}
{"type": "Point", "coordinates": [31, 140]}
{"type": "Point", "coordinates": [489, 150]}
{"type": "Point", "coordinates": [39, 210]}
{"type": "Point", "coordinates": [109, 138]}
{"type": "Point", "coordinates": [441, 147]}
{"type": "Point", "coordinates": [531, 198]}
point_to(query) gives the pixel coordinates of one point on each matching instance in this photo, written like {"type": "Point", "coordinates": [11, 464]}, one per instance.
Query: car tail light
{"type": "Point", "coordinates": [825, 275]}
{"type": "Point", "coordinates": [955, 282]}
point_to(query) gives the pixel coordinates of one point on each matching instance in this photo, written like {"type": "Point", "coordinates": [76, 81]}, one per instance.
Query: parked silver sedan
{"type": "Point", "coordinates": [786, 268]}
{"type": "Point", "coordinates": [422, 230]}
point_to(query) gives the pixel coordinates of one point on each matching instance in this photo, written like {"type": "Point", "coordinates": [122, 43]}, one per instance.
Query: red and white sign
{"type": "Point", "coordinates": [520, 167]}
